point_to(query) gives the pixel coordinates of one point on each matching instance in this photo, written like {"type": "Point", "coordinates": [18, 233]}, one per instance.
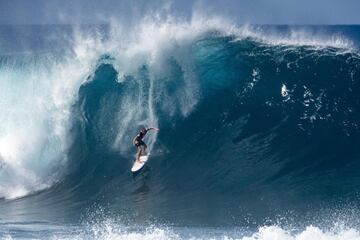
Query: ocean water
{"type": "Point", "coordinates": [259, 131]}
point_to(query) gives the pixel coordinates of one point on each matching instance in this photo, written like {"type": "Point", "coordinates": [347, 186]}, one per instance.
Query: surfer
{"type": "Point", "coordinates": [139, 143]}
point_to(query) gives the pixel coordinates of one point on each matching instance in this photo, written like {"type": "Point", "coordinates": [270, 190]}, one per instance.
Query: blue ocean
{"type": "Point", "coordinates": [259, 131]}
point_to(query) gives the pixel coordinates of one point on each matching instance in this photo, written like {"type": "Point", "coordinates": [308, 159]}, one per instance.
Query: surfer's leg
{"type": "Point", "coordinates": [145, 147]}
{"type": "Point", "coordinates": [138, 153]}
{"type": "Point", "coordinates": [142, 147]}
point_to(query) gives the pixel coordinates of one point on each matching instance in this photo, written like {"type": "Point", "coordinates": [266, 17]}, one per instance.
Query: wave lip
{"type": "Point", "coordinates": [296, 36]}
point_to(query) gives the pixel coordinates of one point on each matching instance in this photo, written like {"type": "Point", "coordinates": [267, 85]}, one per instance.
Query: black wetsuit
{"type": "Point", "coordinates": [138, 141]}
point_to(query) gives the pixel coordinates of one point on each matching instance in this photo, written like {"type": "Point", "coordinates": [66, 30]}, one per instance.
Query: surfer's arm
{"type": "Point", "coordinates": [134, 140]}
{"type": "Point", "coordinates": [152, 128]}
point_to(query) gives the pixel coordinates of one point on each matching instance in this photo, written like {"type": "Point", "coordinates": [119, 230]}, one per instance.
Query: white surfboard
{"type": "Point", "coordinates": [139, 164]}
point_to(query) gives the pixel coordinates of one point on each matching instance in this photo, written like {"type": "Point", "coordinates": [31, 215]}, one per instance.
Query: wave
{"type": "Point", "coordinates": [221, 94]}
{"type": "Point", "coordinates": [250, 118]}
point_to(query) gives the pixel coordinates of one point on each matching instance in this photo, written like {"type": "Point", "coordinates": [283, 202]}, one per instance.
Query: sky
{"type": "Point", "coordinates": [241, 11]}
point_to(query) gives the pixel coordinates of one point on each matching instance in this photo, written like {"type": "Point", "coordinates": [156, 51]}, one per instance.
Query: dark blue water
{"type": "Point", "coordinates": [259, 132]}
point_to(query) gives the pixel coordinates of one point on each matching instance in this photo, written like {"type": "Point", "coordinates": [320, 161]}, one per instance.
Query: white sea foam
{"type": "Point", "coordinates": [311, 232]}
{"type": "Point", "coordinates": [35, 98]}
{"type": "Point", "coordinates": [150, 44]}
{"type": "Point", "coordinates": [113, 232]}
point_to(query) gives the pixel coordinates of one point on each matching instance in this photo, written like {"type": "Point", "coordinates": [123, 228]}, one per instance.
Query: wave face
{"type": "Point", "coordinates": [254, 123]}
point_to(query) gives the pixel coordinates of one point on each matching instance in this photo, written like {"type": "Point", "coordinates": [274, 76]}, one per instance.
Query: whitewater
{"type": "Point", "coordinates": [259, 131]}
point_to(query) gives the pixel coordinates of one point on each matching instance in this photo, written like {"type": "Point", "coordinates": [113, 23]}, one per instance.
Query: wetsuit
{"type": "Point", "coordinates": [138, 140]}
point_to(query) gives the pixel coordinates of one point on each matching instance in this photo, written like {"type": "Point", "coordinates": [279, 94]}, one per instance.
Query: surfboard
{"type": "Point", "coordinates": [139, 164]}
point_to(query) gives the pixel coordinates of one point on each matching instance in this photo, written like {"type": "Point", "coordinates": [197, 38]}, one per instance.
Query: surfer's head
{"type": "Point", "coordinates": [143, 130]}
